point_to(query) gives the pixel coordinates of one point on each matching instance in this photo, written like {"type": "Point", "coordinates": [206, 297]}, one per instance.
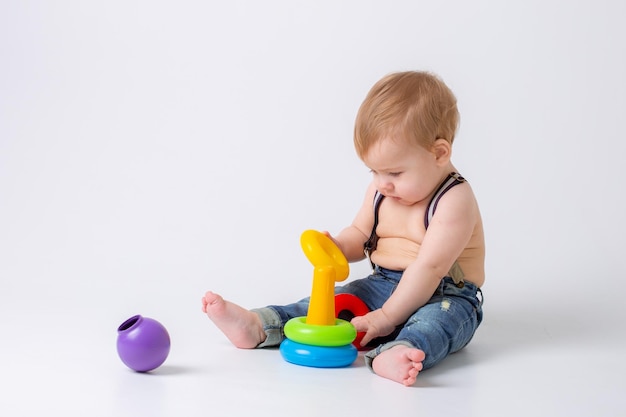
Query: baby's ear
{"type": "Point", "coordinates": [442, 150]}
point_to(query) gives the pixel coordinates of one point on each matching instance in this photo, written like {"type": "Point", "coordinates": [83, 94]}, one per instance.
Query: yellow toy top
{"type": "Point", "coordinates": [330, 266]}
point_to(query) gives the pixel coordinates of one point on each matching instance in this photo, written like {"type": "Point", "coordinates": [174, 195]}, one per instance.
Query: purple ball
{"type": "Point", "coordinates": [142, 343]}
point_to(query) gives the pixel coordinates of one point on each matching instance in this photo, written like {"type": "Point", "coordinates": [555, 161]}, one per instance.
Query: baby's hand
{"type": "Point", "coordinates": [328, 235]}
{"type": "Point", "coordinates": [374, 324]}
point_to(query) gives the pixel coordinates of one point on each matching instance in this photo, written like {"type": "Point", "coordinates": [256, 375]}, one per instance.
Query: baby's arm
{"type": "Point", "coordinates": [448, 233]}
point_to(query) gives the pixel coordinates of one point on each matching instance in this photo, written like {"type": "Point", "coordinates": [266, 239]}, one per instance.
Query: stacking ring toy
{"type": "Point", "coordinates": [319, 339]}
{"type": "Point", "coordinates": [342, 333]}
{"type": "Point", "coordinates": [318, 356]}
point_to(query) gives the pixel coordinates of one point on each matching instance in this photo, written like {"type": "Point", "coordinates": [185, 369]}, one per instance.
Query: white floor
{"type": "Point", "coordinates": [537, 358]}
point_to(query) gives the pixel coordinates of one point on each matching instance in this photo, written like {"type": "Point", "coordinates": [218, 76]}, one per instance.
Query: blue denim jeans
{"type": "Point", "coordinates": [444, 325]}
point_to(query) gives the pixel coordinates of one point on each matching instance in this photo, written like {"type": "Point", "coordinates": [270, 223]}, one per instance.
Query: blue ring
{"type": "Point", "coordinates": [318, 356]}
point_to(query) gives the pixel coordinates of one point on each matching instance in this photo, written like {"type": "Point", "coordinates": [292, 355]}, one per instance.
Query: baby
{"type": "Point", "coordinates": [420, 227]}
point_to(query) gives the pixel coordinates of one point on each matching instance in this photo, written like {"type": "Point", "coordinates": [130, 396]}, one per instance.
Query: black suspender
{"type": "Point", "coordinates": [372, 242]}
{"type": "Point", "coordinates": [452, 180]}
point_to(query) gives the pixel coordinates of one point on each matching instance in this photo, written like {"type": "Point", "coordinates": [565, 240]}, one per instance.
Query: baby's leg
{"type": "Point", "coordinates": [400, 363]}
{"type": "Point", "coordinates": [242, 327]}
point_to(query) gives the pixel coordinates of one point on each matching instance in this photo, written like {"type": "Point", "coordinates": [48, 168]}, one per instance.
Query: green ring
{"type": "Point", "coordinates": [339, 334]}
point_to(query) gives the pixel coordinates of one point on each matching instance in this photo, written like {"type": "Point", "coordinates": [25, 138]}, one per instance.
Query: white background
{"type": "Point", "coordinates": [152, 150]}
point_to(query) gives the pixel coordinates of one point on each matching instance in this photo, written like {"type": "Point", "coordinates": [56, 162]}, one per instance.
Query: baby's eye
{"type": "Point", "coordinates": [394, 174]}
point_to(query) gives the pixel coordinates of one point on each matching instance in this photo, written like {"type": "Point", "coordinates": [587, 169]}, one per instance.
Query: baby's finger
{"type": "Point", "coordinates": [366, 338]}
{"type": "Point", "coordinates": [359, 323]}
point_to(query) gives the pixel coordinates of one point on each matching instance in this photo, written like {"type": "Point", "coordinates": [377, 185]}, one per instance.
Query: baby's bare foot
{"type": "Point", "coordinates": [242, 327]}
{"type": "Point", "coordinates": [400, 363]}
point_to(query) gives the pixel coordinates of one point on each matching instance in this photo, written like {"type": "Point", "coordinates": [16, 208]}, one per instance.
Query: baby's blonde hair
{"type": "Point", "coordinates": [414, 106]}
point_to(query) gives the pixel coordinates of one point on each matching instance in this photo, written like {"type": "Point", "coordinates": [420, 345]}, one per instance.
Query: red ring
{"type": "Point", "coordinates": [356, 306]}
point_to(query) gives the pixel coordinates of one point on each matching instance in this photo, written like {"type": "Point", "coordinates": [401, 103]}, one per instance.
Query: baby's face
{"type": "Point", "coordinates": [405, 173]}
